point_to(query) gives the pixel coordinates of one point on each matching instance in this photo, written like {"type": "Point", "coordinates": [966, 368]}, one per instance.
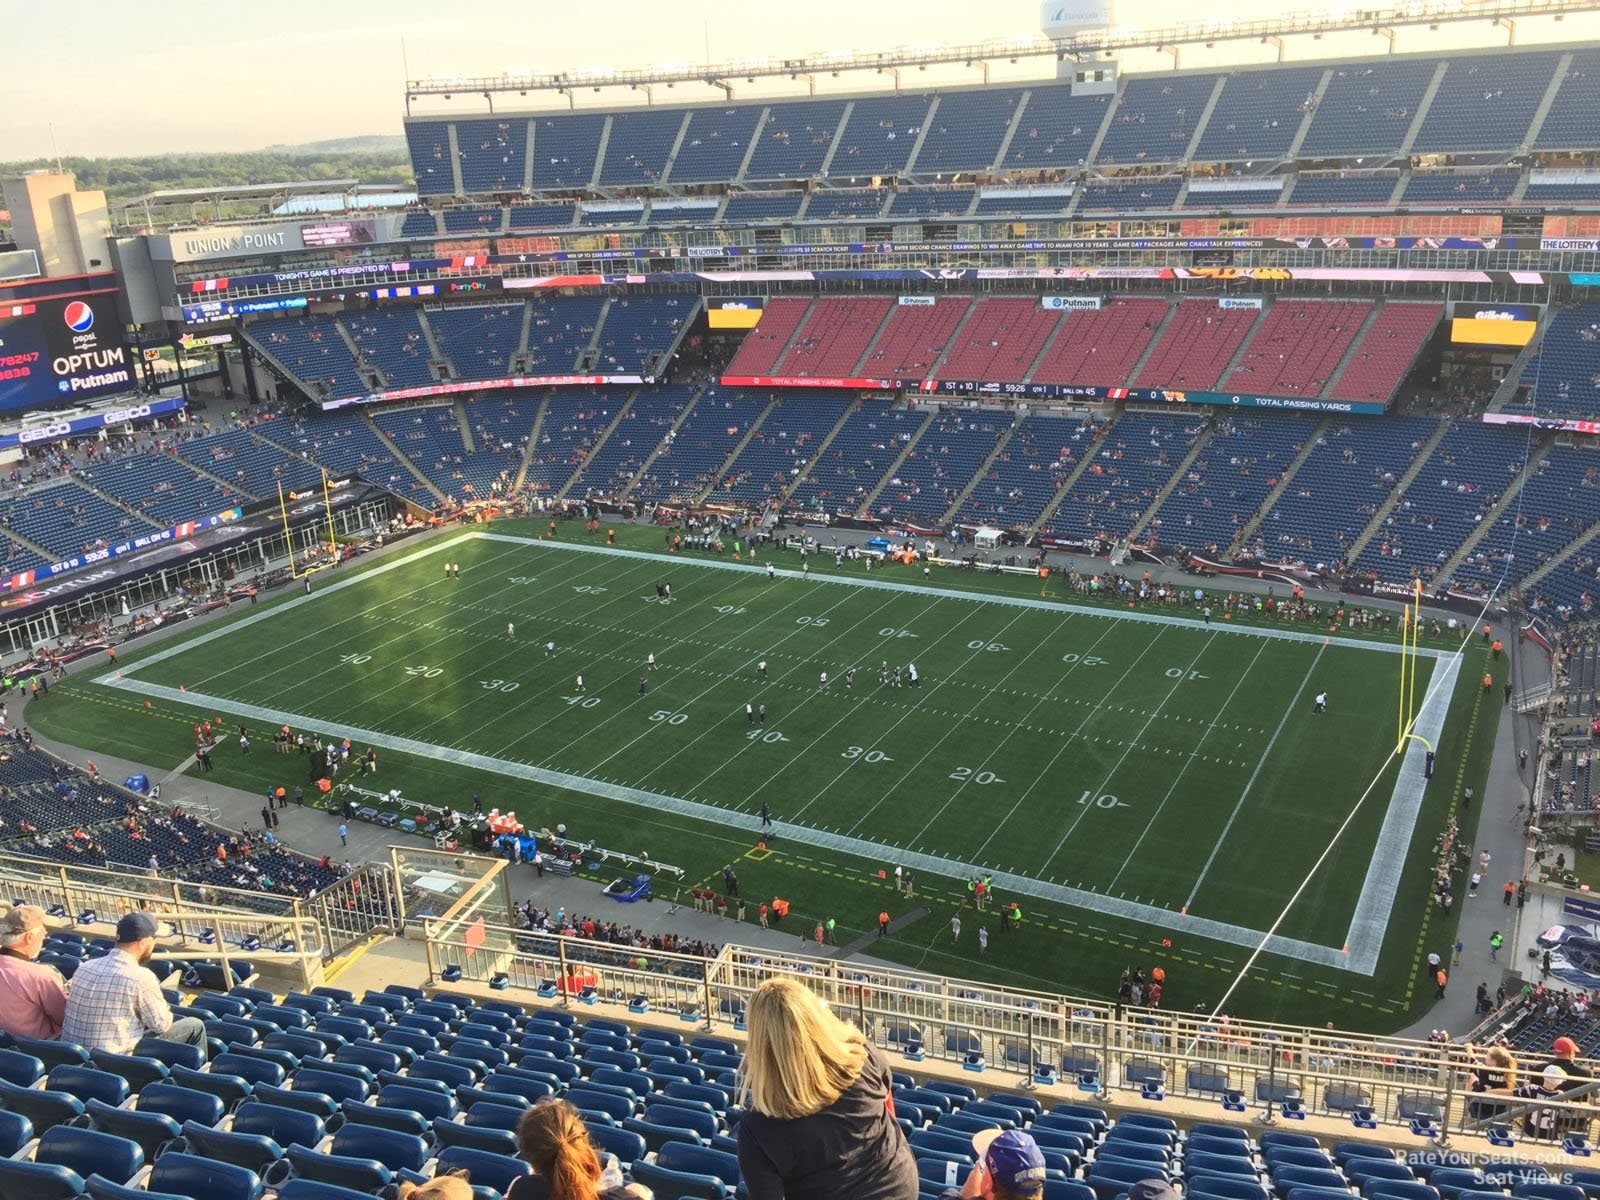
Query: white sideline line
{"type": "Point", "coordinates": [918, 589]}
{"type": "Point", "coordinates": [930, 864]}
{"type": "Point", "coordinates": [1382, 884]}
{"type": "Point", "coordinates": [1372, 913]}
{"type": "Point", "coordinates": [1288, 711]}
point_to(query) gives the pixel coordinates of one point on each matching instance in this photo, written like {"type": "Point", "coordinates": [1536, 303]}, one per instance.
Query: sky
{"type": "Point", "coordinates": [187, 75]}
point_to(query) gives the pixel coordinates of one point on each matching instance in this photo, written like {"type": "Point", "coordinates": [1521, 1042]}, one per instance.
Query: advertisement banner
{"type": "Point", "coordinates": [59, 351]}
{"type": "Point", "coordinates": [222, 310]}
{"type": "Point", "coordinates": [143, 542]}
{"type": "Point", "coordinates": [1486, 331]}
{"type": "Point", "coordinates": [1073, 303]}
{"type": "Point", "coordinates": [339, 233]}
{"type": "Point", "coordinates": [78, 426]}
{"type": "Point", "coordinates": [734, 312]}
{"type": "Point", "coordinates": [1059, 391]}
{"type": "Point", "coordinates": [1551, 423]}
{"type": "Point", "coordinates": [807, 381]}
{"type": "Point", "coordinates": [461, 386]}
{"type": "Point", "coordinates": [224, 241]}
{"type": "Point", "coordinates": [1254, 302]}
{"type": "Point", "coordinates": [916, 301]}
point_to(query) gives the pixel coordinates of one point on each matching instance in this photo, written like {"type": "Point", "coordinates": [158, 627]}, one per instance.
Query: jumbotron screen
{"type": "Point", "coordinates": [59, 351]}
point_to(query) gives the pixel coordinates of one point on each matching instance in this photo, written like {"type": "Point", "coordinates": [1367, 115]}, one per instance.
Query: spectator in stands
{"type": "Point", "coordinates": [820, 1122]}
{"type": "Point", "coordinates": [116, 1000]}
{"type": "Point", "coordinates": [551, 1139]}
{"type": "Point", "coordinates": [440, 1187]}
{"type": "Point", "coordinates": [1010, 1167]}
{"type": "Point", "coordinates": [33, 996]}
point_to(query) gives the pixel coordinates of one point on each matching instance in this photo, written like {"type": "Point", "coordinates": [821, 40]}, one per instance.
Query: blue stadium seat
{"type": "Point", "coordinates": [203, 1178]}
{"type": "Point", "coordinates": [361, 1174]}
{"type": "Point", "coordinates": [453, 1133]}
{"type": "Point", "coordinates": [248, 1150]}
{"type": "Point", "coordinates": [395, 1150]}
{"type": "Point", "coordinates": [497, 1171]}
{"type": "Point", "coordinates": [403, 1120]}
{"type": "Point", "coordinates": [44, 1109]}
{"type": "Point", "coordinates": [286, 1126]}
{"type": "Point", "coordinates": [22, 1070]}
{"type": "Point", "coordinates": [24, 1179]}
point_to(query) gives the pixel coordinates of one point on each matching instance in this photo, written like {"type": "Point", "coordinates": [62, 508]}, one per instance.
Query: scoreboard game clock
{"type": "Point", "coordinates": [59, 351]}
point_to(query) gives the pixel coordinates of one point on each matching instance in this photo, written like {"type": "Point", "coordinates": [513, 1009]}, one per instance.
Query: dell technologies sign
{"type": "Point", "coordinates": [88, 357]}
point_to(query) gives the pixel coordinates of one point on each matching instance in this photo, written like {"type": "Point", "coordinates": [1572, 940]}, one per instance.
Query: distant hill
{"type": "Point", "coordinates": [367, 143]}
{"type": "Point", "coordinates": [370, 159]}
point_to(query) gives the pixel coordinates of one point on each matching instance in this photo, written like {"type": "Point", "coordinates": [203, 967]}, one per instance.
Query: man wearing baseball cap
{"type": "Point", "coordinates": [33, 996]}
{"type": "Point", "coordinates": [1010, 1167]}
{"type": "Point", "coordinates": [115, 1000]}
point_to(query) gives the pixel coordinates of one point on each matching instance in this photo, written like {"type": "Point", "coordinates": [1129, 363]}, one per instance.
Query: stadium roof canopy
{"type": "Point", "coordinates": [172, 205]}
{"type": "Point", "coordinates": [1082, 47]}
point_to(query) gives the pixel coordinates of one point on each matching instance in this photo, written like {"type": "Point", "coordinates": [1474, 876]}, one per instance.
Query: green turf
{"type": "Point", "coordinates": [1173, 764]}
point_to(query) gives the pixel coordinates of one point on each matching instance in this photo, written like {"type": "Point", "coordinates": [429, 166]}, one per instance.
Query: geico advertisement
{"type": "Point", "coordinates": [88, 354]}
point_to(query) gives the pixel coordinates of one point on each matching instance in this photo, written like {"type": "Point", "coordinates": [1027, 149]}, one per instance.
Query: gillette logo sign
{"type": "Point", "coordinates": [87, 360]}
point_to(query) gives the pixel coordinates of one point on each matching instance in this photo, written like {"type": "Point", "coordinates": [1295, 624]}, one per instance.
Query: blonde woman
{"type": "Point", "coordinates": [1496, 1077]}
{"type": "Point", "coordinates": [551, 1139]}
{"type": "Point", "coordinates": [820, 1122]}
{"type": "Point", "coordinates": [441, 1187]}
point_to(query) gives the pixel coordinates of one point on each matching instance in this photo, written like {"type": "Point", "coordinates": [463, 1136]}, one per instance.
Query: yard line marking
{"type": "Point", "coordinates": [1067, 674]}
{"type": "Point", "coordinates": [1022, 660]}
{"type": "Point", "coordinates": [1178, 778]}
{"type": "Point", "coordinates": [885, 734]}
{"type": "Point", "coordinates": [1062, 748]}
{"type": "Point", "coordinates": [424, 695]}
{"type": "Point", "coordinates": [328, 653]}
{"type": "Point", "coordinates": [1288, 711]}
{"type": "Point", "coordinates": [749, 662]}
{"type": "Point", "coordinates": [812, 693]}
{"type": "Point", "coordinates": [928, 865]}
{"type": "Point", "coordinates": [1138, 616]}
{"type": "Point", "coordinates": [559, 682]}
{"type": "Point", "coordinates": [1172, 691]}
{"type": "Point", "coordinates": [298, 601]}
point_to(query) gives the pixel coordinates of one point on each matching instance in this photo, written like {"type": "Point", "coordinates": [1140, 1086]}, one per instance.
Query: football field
{"type": "Point", "coordinates": [1132, 778]}
{"type": "Point", "coordinates": [1139, 766]}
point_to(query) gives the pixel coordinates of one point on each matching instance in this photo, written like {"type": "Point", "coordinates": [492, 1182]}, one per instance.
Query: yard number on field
{"type": "Point", "coordinates": [892, 632]}
{"type": "Point", "coordinates": [1086, 660]}
{"type": "Point", "coordinates": [588, 589]}
{"type": "Point", "coordinates": [583, 701]}
{"type": "Point", "coordinates": [523, 579]}
{"type": "Point", "coordinates": [991, 647]}
{"type": "Point", "coordinates": [872, 756]}
{"type": "Point", "coordinates": [981, 778]}
{"type": "Point", "coordinates": [1102, 801]}
{"type": "Point", "coordinates": [669, 717]}
{"type": "Point", "coordinates": [768, 736]}
{"type": "Point", "coordinates": [425, 672]}
{"type": "Point", "coordinates": [729, 610]}
{"type": "Point", "coordinates": [817, 622]}
{"type": "Point", "coordinates": [1181, 673]}
{"type": "Point", "coordinates": [499, 685]}
{"type": "Point", "coordinates": [355, 659]}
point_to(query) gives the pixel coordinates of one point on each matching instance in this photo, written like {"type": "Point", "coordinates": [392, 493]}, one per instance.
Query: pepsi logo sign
{"type": "Point", "coordinates": [78, 316]}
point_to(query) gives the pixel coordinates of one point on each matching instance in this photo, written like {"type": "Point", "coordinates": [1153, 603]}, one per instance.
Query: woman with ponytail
{"type": "Point", "coordinates": [552, 1140]}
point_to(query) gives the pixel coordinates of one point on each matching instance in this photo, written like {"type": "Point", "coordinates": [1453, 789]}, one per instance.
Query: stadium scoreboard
{"type": "Point", "coordinates": [61, 350]}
